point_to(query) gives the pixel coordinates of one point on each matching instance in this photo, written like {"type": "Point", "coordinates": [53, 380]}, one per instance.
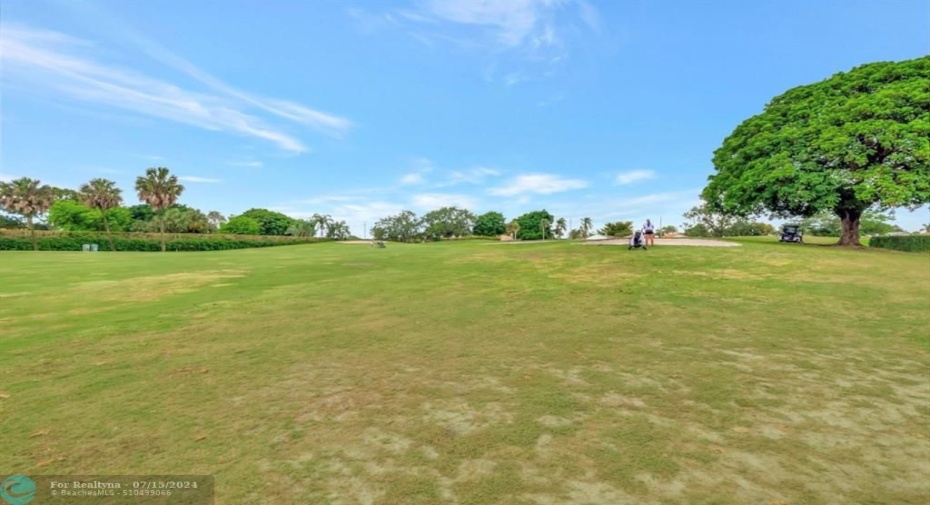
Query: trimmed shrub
{"type": "Point", "coordinates": [19, 240]}
{"type": "Point", "coordinates": [908, 243]}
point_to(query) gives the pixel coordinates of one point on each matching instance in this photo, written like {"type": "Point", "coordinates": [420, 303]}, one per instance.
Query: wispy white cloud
{"type": "Point", "coordinates": [590, 16]}
{"type": "Point", "coordinates": [551, 101]}
{"type": "Point", "coordinates": [526, 30]}
{"type": "Point", "coordinates": [371, 21]}
{"type": "Point", "coordinates": [542, 184]}
{"type": "Point", "coordinates": [412, 178]}
{"type": "Point", "coordinates": [432, 201]}
{"type": "Point", "coordinates": [514, 78]}
{"type": "Point", "coordinates": [511, 22]}
{"type": "Point", "coordinates": [46, 59]}
{"type": "Point", "coordinates": [418, 176]}
{"type": "Point", "coordinates": [633, 176]}
{"type": "Point", "coordinates": [475, 175]}
{"type": "Point", "coordinates": [194, 178]}
{"type": "Point", "coordinates": [250, 164]}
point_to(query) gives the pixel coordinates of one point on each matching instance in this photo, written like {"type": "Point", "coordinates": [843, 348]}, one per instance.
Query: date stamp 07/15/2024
{"type": "Point", "coordinates": [106, 489]}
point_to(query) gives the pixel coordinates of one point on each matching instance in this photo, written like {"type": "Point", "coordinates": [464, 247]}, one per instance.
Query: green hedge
{"type": "Point", "coordinates": [909, 243]}
{"type": "Point", "coordinates": [143, 242]}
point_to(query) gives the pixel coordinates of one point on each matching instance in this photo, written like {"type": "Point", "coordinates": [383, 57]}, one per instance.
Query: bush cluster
{"type": "Point", "coordinates": [909, 243]}
{"type": "Point", "coordinates": [19, 241]}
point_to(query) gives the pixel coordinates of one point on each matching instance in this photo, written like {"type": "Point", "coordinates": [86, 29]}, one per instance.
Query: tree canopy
{"type": "Point", "coordinates": [403, 227]}
{"type": "Point", "coordinates": [28, 198]}
{"type": "Point", "coordinates": [448, 222]}
{"type": "Point", "coordinates": [857, 140]}
{"type": "Point", "coordinates": [69, 215]}
{"type": "Point", "coordinates": [534, 224]}
{"type": "Point", "coordinates": [490, 224]}
{"type": "Point", "coordinates": [269, 221]}
{"type": "Point", "coordinates": [241, 225]}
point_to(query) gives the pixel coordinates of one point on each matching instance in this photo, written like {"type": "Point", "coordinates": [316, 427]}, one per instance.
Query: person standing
{"type": "Point", "coordinates": [650, 232]}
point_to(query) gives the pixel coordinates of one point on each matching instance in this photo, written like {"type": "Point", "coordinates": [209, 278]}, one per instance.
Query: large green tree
{"type": "Point", "coordinates": [855, 141]}
{"type": "Point", "coordinates": [241, 225]}
{"type": "Point", "coordinates": [68, 215]}
{"type": "Point", "coordinates": [28, 198]}
{"type": "Point", "coordinates": [448, 222]}
{"type": "Point", "coordinates": [403, 227]}
{"type": "Point", "coordinates": [271, 222]}
{"type": "Point", "coordinates": [534, 225]}
{"type": "Point", "coordinates": [489, 224]}
{"type": "Point", "coordinates": [160, 189]}
{"type": "Point", "coordinates": [102, 195]}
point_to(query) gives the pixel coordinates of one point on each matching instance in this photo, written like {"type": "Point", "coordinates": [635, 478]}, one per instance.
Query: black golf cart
{"type": "Point", "coordinates": [791, 233]}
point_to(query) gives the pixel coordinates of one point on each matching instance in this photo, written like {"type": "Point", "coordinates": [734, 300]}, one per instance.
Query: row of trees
{"type": "Point", "coordinates": [703, 222]}
{"type": "Point", "coordinates": [94, 204]}
{"type": "Point", "coordinates": [98, 206]}
{"type": "Point", "coordinates": [453, 222]}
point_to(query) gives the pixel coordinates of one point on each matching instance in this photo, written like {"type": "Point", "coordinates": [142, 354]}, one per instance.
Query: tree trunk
{"type": "Point", "coordinates": [106, 226]}
{"type": "Point", "coordinates": [849, 236]}
{"type": "Point", "coordinates": [161, 228]}
{"type": "Point", "coordinates": [32, 233]}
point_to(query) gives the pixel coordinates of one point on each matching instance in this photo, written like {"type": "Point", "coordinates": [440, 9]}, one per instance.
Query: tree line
{"type": "Point", "coordinates": [454, 222]}
{"type": "Point", "coordinates": [98, 205]}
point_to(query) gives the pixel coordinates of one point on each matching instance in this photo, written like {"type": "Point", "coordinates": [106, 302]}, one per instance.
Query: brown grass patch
{"type": "Point", "coordinates": [150, 288]}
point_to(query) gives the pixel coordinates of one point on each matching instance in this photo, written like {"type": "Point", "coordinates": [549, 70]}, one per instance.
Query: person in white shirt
{"type": "Point", "coordinates": [649, 232]}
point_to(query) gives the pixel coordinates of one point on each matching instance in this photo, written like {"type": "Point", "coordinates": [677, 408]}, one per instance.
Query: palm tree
{"type": "Point", "coordinates": [160, 190]}
{"type": "Point", "coordinates": [215, 219]}
{"type": "Point", "coordinates": [512, 228]}
{"type": "Point", "coordinates": [302, 228]}
{"type": "Point", "coordinates": [560, 227]}
{"type": "Point", "coordinates": [28, 198]}
{"type": "Point", "coordinates": [338, 230]}
{"type": "Point", "coordinates": [586, 226]}
{"type": "Point", "coordinates": [103, 195]}
{"type": "Point", "coordinates": [543, 225]}
{"type": "Point", "coordinates": [322, 221]}
{"type": "Point", "coordinates": [926, 228]}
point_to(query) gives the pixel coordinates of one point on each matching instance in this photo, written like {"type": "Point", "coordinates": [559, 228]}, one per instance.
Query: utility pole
{"type": "Point", "coordinates": [365, 230]}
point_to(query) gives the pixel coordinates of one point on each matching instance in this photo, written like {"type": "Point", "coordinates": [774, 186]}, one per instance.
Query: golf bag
{"type": "Point", "coordinates": [638, 240]}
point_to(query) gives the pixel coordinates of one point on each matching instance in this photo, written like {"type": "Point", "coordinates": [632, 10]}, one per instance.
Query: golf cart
{"type": "Point", "coordinates": [791, 233]}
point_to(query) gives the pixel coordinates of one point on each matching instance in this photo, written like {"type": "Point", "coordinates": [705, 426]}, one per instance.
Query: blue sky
{"type": "Point", "coordinates": [610, 110]}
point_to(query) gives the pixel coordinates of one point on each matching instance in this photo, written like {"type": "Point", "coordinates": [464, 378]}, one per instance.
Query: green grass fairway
{"type": "Point", "coordinates": [476, 372]}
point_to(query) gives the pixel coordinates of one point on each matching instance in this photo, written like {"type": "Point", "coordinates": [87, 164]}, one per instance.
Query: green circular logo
{"type": "Point", "coordinates": [18, 490]}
